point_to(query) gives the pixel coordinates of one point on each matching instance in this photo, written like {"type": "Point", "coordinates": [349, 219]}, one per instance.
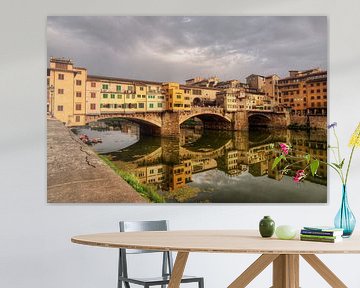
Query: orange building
{"type": "Point", "coordinates": [305, 92]}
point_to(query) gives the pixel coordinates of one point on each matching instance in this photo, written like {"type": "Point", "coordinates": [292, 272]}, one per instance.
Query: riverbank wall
{"type": "Point", "coordinates": [308, 122]}
{"type": "Point", "coordinates": [76, 174]}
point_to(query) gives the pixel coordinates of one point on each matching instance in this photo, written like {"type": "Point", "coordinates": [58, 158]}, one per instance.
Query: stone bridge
{"type": "Point", "coordinates": [167, 123]}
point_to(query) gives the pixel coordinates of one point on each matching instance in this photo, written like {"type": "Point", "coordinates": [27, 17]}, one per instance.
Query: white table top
{"type": "Point", "coordinates": [216, 241]}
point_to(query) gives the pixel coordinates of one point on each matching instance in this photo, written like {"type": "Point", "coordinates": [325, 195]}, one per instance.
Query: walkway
{"type": "Point", "coordinates": [75, 174]}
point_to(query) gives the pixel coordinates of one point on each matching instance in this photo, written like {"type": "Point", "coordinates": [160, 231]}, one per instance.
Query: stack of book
{"type": "Point", "coordinates": [321, 234]}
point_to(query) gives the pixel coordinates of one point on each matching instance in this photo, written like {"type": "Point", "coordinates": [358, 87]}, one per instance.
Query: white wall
{"type": "Point", "coordinates": [35, 248]}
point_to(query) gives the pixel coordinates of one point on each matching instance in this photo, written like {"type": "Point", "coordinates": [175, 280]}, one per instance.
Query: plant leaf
{"type": "Point", "coordinates": [307, 157]}
{"type": "Point", "coordinates": [314, 166]}
{"type": "Point", "coordinates": [277, 161]}
{"type": "Point", "coordinates": [342, 163]}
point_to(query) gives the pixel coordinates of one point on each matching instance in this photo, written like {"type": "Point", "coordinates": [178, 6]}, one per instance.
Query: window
{"type": "Point", "coordinates": [178, 96]}
{"type": "Point", "coordinates": [77, 118]}
{"type": "Point", "coordinates": [60, 91]}
{"type": "Point", "coordinates": [138, 96]}
{"type": "Point", "coordinates": [78, 94]}
{"type": "Point", "coordinates": [60, 108]}
{"type": "Point", "coordinates": [159, 105]}
{"type": "Point", "coordinates": [112, 96]}
{"type": "Point", "coordinates": [119, 96]}
{"type": "Point", "coordinates": [312, 91]}
{"type": "Point", "coordinates": [78, 82]}
{"type": "Point", "coordinates": [93, 84]}
{"type": "Point", "coordinates": [141, 105]}
{"type": "Point", "coordinates": [78, 106]}
{"type": "Point", "coordinates": [318, 90]}
{"type": "Point", "coordinates": [105, 96]}
{"type": "Point", "coordinates": [133, 96]}
{"type": "Point", "coordinates": [61, 66]}
{"type": "Point", "coordinates": [61, 76]}
{"type": "Point", "coordinates": [93, 95]}
{"type": "Point", "coordinates": [118, 87]}
{"type": "Point", "coordinates": [127, 96]}
{"type": "Point", "coordinates": [151, 105]}
{"type": "Point", "coordinates": [105, 86]}
{"type": "Point", "coordinates": [92, 106]}
{"type": "Point", "coordinates": [141, 88]}
{"type": "Point", "coordinates": [130, 88]}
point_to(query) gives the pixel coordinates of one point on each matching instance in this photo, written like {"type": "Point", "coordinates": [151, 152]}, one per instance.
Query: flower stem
{"type": "Point", "coordinates": [348, 166]}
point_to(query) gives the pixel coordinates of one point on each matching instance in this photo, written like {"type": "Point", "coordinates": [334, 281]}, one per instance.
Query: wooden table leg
{"type": "Point", "coordinates": [253, 270]}
{"type": "Point", "coordinates": [324, 271]}
{"type": "Point", "coordinates": [178, 269]}
{"type": "Point", "coordinates": [286, 271]}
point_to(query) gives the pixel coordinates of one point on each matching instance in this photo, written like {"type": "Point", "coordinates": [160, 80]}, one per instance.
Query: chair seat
{"type": "Point", "coordinates": [158, 280]}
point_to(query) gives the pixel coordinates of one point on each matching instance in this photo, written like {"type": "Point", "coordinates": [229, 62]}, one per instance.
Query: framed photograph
{"type": "Point", "coordinates": [178, 109]}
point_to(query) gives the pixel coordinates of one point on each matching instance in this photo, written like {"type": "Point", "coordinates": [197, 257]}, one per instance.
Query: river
{"type": "Point", "coordinates": [206, 166]}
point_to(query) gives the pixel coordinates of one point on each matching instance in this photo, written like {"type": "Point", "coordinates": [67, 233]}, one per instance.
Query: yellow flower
{"type": "Point", "coordinates": [355, 138]}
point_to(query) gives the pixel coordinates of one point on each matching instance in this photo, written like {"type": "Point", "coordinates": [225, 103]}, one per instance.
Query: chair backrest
{"type": "Point", "coordinates": [134, 226]}
{"type": "Point", "coordinates": [137, 226]}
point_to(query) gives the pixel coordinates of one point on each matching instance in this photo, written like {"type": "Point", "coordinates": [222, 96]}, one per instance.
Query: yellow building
{"type": "Point", "coordinates": [174, 97]}
{"type": "Point", "coordinates": [154, 97]}
{"type": "Point", "coordinates": [66, 90]}
{"type": "Point", "coordinates": [93, 97]}
{"type": "Point", "coordinates": [199, 96]}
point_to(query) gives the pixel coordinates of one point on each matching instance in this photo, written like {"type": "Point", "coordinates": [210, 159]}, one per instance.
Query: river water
{"type": "Point", "coordinates": [214, 166]}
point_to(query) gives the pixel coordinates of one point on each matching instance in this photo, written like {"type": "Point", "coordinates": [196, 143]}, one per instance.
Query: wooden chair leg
{"type": "Point", "coordinates": [324, 271]}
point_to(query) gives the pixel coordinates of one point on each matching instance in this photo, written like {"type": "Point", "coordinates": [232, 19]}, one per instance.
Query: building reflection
{"type": "Point", "coordinates": [171, 163]}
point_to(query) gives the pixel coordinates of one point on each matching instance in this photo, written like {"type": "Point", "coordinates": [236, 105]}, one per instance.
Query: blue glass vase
{"type": "Point", "coordinates": [345, 219]}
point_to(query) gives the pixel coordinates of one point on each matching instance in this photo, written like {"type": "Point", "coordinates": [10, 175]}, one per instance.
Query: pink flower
{"type": "Point", "coordinates": [284, 148]}
{"type": "Point", "coordinates": [299, 176]}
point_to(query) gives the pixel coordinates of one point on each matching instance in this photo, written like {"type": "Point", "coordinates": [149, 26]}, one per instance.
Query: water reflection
{"type": "Point", "coordinates": [215, 166]}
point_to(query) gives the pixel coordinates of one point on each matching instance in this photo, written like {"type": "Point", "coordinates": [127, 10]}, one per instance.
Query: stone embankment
{"type": "Point", "coordinates": [311, 121]}
{"type": "Point", "coordinates": [76, 174]}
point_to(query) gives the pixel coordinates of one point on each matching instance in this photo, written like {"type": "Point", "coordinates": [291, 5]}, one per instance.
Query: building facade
{"type": "Point", "coordinates": [73, 94]}
{"type": "Point", "coordinates": [304, 92]}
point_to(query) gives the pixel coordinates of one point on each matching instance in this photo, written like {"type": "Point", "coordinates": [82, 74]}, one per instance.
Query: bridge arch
{"type": "Point", "coordinates": [210, 120]}
{"type": "Point", "coordinates": [259, 120]}
{"type": "Point", "coordinates": [148, 125]}
{"type": "Point", "coordinates": [205, 115]}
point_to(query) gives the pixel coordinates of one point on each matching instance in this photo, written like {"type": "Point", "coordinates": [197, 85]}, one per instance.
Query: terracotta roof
{"type": "Point", "coordinates": [98, 77]}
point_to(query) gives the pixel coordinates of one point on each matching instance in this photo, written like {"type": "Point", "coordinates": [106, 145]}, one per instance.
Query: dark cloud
{"type": "Point", "coordinates": [177, 48]}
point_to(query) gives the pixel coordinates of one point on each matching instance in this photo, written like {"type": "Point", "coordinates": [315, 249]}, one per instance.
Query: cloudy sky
{"type": "Point", "coordinates": [179, 48]}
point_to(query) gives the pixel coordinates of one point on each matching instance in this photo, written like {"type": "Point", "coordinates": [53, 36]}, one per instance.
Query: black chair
{"type": "Point", "coordinates": [167, 265]}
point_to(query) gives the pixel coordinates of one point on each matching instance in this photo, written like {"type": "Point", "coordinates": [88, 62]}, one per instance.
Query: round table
{"type": "Point", "coordinates": [284, 254]}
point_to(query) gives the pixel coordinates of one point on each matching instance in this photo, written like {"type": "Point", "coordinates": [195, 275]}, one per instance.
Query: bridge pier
{"type": "Point", "coordinates": [170, 124]}
{"type": "Point", "coordinates": [240, 121]}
